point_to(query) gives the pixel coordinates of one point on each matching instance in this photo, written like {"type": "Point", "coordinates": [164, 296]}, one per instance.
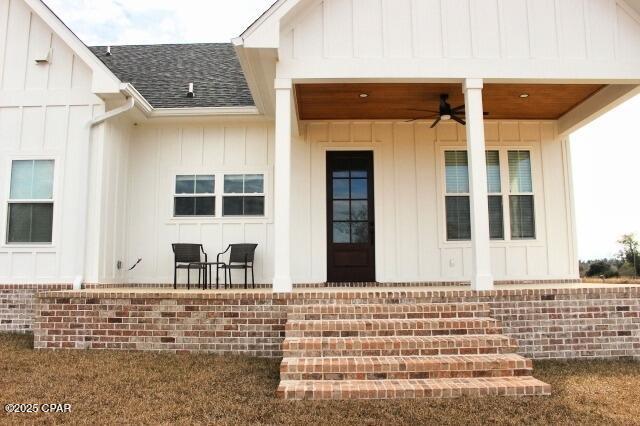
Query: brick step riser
{"type": "Point", "coordinates": [406, 375]}
{"type": "Point", "coordinates": [387, 316]}
{"type": "Point", "coordinates": [357, 352]}
{"type": "Point", "coordinates": [399, 367]}
{"type": "Point", "coordinates": [399, 346]}
{"type": "Point", "coordinates": [414, 391]}
{"type": "Point", "coordinates": [391, 333]}
{"type": "Point", "coordinates": [397, 306]}
{"type": "Point", "coordinates": [390, 324]}
{"type": "Point", "coordinates": [464, 310]}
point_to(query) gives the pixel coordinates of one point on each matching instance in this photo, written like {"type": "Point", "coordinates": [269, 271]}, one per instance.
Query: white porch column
{"type": "Point", "coordinates": [482, 278]}
{"type": "Point", "coordinates": [282, 282]}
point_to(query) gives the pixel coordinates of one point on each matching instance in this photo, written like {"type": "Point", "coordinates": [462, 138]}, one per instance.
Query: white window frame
{"type": "Point", "coordinates": [507, 198]}
{"type": "Point", "coordinates": [453, 194]}
{"type": "Point", "coordinates": [245, 194]}
{"type": "Point", "coordinates": [219, 173]}
{"type": "Point", "coordinates": [195, 195]}
{"type": "Point", "coordinates": [500, 194]}
{"type": "Point", "coordinates": [506, 192]}
{"type": "Point", "coordinates": [9, 201]}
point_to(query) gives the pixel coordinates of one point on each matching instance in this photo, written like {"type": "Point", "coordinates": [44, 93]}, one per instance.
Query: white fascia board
{"type": "Point", "coordinates": [247, 63]}
{"type": "Point", "coordinates": [104, 81]}
{"type": "Point", "coordinates": [204, 112]}
{"type": "Point", "coordinates": [143, 105]}
{"type": "Point", "coordinates": [150, 111]}
{"type": "Point", "coordinates": [264, 33]}
{"type": "Point", "coordinates": [260, 22]}
{"type": "Point", "coordinates": [595, 106]}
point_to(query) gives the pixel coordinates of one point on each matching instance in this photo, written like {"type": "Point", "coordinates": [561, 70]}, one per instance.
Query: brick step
{"type": "Point", "coordinates": [411, 389]}
{"type": "Point", "coordinates": [391, 327]}
{"type": "Point", "coordinates": [398, 345]}
{"type": "Point", "coordinates": [402, 368]}
{"type": "Point", "coordinates": [387, 311]}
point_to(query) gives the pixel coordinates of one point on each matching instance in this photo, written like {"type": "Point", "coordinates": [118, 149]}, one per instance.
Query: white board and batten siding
{"type": "Point", "coordinates": [411, 241]}
{"type": "Point", "coordinates": [44, 114]}
{"type": "Point", "coordinates": [558, 39]}
{"type": "Point", "coordinates": [160, 152]}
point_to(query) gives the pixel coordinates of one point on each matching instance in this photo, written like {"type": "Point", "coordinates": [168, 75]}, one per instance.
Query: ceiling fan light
{"type": "Point", "coordinates": [445, 117]}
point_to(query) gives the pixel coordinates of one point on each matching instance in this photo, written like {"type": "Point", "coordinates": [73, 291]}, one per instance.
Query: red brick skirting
{"type": "Point", "coordinates": [547, 323]}
{"type": "Point", "coordinates": [17, 305]}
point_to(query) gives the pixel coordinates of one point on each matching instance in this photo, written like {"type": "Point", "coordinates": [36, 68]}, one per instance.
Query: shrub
{"type": "Point", "coordinates": [602, 267]}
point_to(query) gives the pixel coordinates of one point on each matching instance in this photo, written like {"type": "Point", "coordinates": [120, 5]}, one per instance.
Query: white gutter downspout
{"type": "Point", "coordinates": [79, 279]}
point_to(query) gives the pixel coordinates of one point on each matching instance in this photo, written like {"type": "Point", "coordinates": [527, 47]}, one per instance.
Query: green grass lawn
{"type": "Point", "coordinates": [125, 388]}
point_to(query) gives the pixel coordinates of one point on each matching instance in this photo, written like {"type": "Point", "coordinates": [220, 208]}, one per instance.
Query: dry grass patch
{"type": "Point", "coordinates": [149, 388]}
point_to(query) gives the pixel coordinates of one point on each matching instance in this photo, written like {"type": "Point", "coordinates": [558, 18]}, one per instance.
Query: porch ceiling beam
{"type": "Point", "coordinates": [597, 105]}
{"type": "Point", "coordinates": [495, 70]}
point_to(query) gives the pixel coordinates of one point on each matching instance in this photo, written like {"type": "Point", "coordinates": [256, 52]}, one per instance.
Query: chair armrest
{"type": "Point", "coordinates": [220, 254]}
{"type": "Point", "coordinates": [204, 252]}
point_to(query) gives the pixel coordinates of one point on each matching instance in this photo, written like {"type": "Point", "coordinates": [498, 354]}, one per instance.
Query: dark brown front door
{"type": "Point", "coordinates": [350, 217]}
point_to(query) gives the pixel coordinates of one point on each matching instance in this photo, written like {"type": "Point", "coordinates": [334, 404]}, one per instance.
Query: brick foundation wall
{"type": "Point", "coordinates": [17, 305]}
{"type": "Point", "coordinates": [547, 323]}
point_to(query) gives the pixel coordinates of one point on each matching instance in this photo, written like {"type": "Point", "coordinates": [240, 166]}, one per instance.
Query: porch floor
{"type": "Point", "coordinates": [364, 289]}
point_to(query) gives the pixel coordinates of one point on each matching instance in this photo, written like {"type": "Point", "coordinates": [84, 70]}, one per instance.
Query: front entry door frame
{"type": "Point", "coordinates": [372, 274]}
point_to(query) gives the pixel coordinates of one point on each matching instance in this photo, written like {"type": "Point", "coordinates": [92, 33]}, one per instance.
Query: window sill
{"type": "Point", "coordinates": [27, 247]}
{"type": "Point", "coordinates": [494, 243]}
{"type": "Point", "coordinates": [215, 220]}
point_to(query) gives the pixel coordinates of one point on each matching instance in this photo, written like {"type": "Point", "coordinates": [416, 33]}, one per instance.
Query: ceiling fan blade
{"type": "Point", "coordinates": [435, 123]}
{"type": "Point", "coordinates": [458, 108]}
{"type": "Point", "coordinates": [459, 120]}
{"type": "Point", "coordinates": [412, 120]}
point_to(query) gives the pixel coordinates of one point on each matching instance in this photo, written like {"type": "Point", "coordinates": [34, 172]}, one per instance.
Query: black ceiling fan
{"type": "Point", "coordinates": [445, 112]}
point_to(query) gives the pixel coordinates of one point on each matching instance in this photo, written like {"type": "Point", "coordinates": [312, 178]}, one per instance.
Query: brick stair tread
{"type": "Point", "coordinates": [322, 345]}
{"type": "Point", "coordinates": [455, 310]}
{"type": "Point", "coordinates": [383, 364]}
{"type": "Point", "coordinates": [411, 389]}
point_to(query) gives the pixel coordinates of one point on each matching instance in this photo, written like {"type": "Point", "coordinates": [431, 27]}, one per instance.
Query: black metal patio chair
{"type": "Point", "coordinates": [187, 256]}
{"type": "Point", "coordinates": [241, 256]}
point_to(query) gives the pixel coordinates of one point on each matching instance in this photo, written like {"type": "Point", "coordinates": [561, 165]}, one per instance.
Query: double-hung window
{"type": "Point", "coordinates": [30, 210]}
{"type": "Point", "coordinates": [195, 196]}
{"type": "Point", "coordinates": [457, 197]}
{"type": "Point", "coordinates": [243, 195]}
{"type": "Point", "coordinates": [521, 200]}
{"type": "Point", "coordinates": [494, 188]}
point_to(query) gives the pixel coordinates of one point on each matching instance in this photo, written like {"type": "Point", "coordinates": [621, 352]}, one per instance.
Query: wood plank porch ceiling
{"type": "Point", "coordinates": [399, 101]}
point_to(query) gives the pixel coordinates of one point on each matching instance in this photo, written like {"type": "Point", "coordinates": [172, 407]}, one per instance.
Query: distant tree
{"type": "Point", "coordinates": [630, 253]}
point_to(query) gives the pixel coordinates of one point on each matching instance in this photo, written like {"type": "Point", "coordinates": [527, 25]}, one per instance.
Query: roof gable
{"type": "Point", "coordinates": [265, 31]}
{"type": "Point", "coordinates": [103, 80]}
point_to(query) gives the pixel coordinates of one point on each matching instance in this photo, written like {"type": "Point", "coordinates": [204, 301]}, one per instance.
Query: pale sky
{"type": "Point", "coordinates": [606, 154]}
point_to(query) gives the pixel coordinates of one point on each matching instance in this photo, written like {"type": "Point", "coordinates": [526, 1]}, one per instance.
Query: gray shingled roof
{"type": "Point", "coordinates": [162, 73]}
